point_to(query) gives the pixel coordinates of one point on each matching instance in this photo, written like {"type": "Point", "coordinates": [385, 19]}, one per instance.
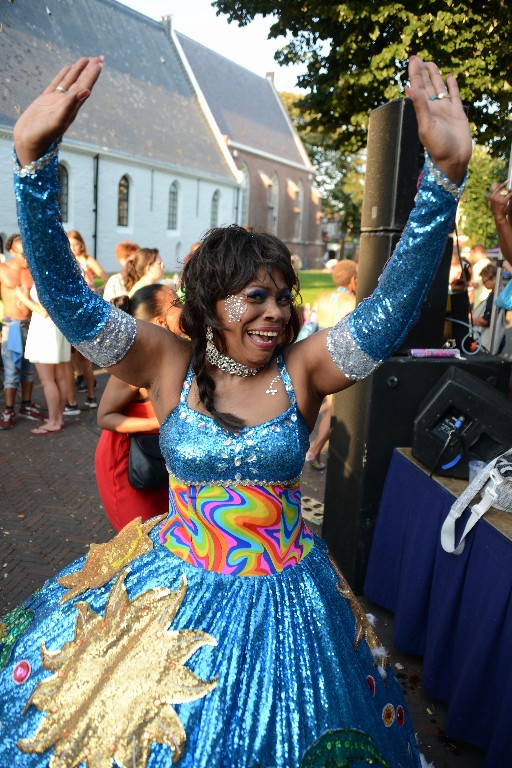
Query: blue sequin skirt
{"type": "Point", "coordinates": [283, 672]}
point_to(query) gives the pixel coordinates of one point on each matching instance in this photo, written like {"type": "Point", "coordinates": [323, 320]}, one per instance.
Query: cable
{"type": "Point", "coordinates": [474, 338]}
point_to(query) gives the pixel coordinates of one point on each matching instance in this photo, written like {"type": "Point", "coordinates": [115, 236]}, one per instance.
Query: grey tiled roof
{"type": "Point", "coordinates": [245, 105]}
{"type": "Point", "coordinates": [143, 104]}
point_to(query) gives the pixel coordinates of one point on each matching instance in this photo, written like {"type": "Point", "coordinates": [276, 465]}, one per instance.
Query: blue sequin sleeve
{"type": "Point", "coordinates": [379, 324]}
{"type": "Point", "coordinates": [103, 333]}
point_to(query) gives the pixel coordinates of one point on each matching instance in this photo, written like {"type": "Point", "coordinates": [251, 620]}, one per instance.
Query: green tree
{"type": "Point", "coordinates": [476, 217]}
{"type": "Point", "coordinates": [356, 56]}
{"type": "Point", "coordinates": [339, 177]}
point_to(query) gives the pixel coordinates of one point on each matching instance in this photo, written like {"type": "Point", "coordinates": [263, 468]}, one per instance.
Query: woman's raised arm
{"type": "Point", "coordinates": [104, 334]}
{"type": "Point", "coordinates": [379, 324]}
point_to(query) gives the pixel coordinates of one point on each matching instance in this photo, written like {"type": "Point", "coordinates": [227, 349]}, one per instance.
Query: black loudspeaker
{"type": "Point", "coordinates": [463, 419]}
{"type": "Point", "coordinates": [371, 418]}
{"type": "Point", "coordinates": [394, 161]}
{"type": "Point", "coordinates": [375, 249]}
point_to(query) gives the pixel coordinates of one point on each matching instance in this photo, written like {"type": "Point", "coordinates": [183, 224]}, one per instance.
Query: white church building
{"type": "Point", "coordinates": [166, 147]}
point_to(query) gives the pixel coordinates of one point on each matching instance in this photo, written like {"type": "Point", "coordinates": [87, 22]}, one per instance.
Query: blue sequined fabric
{"type": "Point", "coordinates": [380, 323]}
{"type": "Point", "coordinates": [197, 450]}
{"type": "Point", "coordinates": [288, 665]}
{"type": "Point", "coordinates": [293, 657]}
{"type": "Point", "coordinates": [77, 311]}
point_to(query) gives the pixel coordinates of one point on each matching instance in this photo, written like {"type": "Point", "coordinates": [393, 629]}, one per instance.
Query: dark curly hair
{"type": "Point", "coordinates": [227, 259]}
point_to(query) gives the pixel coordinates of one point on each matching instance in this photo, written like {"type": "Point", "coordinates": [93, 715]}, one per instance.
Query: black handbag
{"type": "Point", "coordinates": [146, 465]}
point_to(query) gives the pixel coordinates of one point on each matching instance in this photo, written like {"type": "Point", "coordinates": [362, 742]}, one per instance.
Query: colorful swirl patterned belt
{"type": "Point", "coordinates": [241, 531]}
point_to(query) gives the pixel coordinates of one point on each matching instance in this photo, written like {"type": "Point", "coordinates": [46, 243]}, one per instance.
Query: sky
{"type": "Point", "coordinates": [247, 46]}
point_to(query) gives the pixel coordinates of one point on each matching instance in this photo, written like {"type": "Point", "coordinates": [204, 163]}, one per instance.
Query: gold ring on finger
{"type": "Point", "coordinates": [62, 90]}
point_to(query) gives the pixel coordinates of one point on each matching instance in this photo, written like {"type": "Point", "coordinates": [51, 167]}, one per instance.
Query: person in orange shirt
{"type": "Point", "coordinates": [329, 307]}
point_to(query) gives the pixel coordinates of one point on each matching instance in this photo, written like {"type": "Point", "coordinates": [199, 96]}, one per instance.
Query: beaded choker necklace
{"type": "Point", "coordinates": [225, 363]}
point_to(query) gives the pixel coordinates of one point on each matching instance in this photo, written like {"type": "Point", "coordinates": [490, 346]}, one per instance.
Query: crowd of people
{"type": "Point", "coordinates": [269, 659]}
{"type": "Point", "coordinates": [474, 320]}
{"type": "Point", "coordinates": [32, 343]}
{"type": "Point", "coordinates": [63, 371]}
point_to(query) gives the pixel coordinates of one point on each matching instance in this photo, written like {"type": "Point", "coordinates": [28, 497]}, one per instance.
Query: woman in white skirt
{"type": "Point", "coordinates": [47, 348]}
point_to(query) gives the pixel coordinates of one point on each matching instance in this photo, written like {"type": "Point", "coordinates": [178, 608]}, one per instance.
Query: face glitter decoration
{"type": "Point", "coordinates": [236, 307]}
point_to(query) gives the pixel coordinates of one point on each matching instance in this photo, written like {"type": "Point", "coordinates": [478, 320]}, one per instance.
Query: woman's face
{"type": "Point", "coordinates": [76, 247]}
{"type": "Point", "coordinates": [255, 318]}
{"type": "Point", "coordinates": [155, 270]}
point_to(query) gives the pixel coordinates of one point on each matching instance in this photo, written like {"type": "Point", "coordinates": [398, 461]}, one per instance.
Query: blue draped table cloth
{"type": "Point", "coordinates": [453, 610]}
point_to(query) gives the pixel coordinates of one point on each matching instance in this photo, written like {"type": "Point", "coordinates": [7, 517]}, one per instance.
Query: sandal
{"type": "Point", "coordinates": [315, 462]}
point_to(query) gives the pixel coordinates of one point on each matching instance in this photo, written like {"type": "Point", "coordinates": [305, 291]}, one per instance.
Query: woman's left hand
{"type": "Point", "coordinates": [442, 123]}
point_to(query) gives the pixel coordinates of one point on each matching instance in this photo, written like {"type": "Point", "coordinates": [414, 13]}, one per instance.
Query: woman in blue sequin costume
{"type": "Point", "coordinates": [220, 634]}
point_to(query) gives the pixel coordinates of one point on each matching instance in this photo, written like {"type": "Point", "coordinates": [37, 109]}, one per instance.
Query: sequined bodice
{"type": "Point", "coordinates": [197, 450]}
{"type": "Point", "coordinates": [235, 498]}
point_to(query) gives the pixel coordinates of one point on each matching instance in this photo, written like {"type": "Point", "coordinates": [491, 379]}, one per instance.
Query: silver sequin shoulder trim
{"type": "Point", "coordinates": [347, 356]}
{"type": "Point", "coordinates": [113, 341]}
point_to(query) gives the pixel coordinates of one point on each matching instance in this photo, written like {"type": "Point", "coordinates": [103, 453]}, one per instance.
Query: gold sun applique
{"type": "Point", "coordinates": [114, 684]}
{"type": "Point", "coordinates": [364, 630]}
{"type": "Point", "coordinates": [104, 561]}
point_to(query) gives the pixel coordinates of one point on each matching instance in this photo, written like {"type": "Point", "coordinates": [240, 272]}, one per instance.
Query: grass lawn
{"type": "Point", "coordinates": [312, 282]}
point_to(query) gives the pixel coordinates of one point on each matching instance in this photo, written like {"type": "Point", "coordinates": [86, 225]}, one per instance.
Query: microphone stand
{"type": "Point", "coordinates": [495, 310]}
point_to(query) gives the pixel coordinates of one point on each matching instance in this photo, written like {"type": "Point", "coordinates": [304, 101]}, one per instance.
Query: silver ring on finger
{"type": "Point", "coordinates": [443, 95]}
{"type": "Point", "coordinates": [62, 90]}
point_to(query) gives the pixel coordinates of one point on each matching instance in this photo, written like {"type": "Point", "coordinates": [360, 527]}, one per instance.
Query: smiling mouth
{"type": "Point", "coordinates": [263, 338]}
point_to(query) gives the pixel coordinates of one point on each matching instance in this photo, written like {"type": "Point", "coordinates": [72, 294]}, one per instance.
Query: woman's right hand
{"type": "Point", "coordinates": [499, 199]}
{"type": "Point", "coordinates": [50, 115]}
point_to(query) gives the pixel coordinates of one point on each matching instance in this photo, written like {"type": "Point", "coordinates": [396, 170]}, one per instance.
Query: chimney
{"type": "Point", "coordinates": [166, 23]}
{"type": "Point", "coordinates": [270, 76]}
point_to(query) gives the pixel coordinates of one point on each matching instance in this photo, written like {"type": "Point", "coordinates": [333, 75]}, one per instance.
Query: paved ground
{"type": "Point", "coordinates": [50, 511]}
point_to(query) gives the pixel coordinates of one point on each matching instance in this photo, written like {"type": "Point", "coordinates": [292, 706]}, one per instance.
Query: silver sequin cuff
{"type": "Point", "coordinates": [347, 356]}
{"type": "Point", "coordinates": [442, 180]}
{"type": "Point", "coordinates": [113, 341]}
{"type": "Point", "coordinates": [39, 164]}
